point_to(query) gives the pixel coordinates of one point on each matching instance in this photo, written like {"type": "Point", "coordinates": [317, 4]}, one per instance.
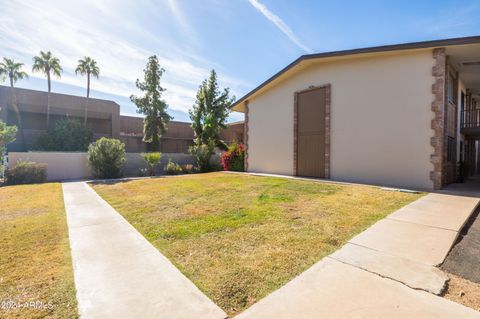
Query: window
{"type": "Point", "coordinates": [462, 152]}
{"type": "Point", "coordinates": [451, 88]}
{"type": "Point", "coordinates": [451, 149]}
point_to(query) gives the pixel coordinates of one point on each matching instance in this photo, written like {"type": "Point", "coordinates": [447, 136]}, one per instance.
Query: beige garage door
{"type": "Point", "coordinates": [311, 133]}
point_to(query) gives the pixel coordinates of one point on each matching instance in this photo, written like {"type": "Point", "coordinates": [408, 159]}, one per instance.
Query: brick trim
{"type": "Point", "coordinates": [295, 137]}
{"type": "Point", "coordinates": [327, 129]}
{"type": "Point", "coordinates": [245, 138]}
{"type": "Point", "coordinates": [438, 123]}
{"type": "Point", "coordinates": [327, 88]}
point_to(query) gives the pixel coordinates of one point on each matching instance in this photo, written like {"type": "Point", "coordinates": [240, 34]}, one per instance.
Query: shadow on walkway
{"type": "Point", "coordinates": [470, 188]}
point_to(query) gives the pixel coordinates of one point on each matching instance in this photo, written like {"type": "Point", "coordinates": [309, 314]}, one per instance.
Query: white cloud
{"type": "Point", "coordinates": [180, 18]}
{"type": "Point", "coordinates": [449, 22]}
{"type": "Point", "coordinates": [106, 32]}
{"type": "Point", "coordinates": [279, 23]}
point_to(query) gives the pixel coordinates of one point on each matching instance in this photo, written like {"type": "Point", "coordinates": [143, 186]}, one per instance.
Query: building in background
{"type": "Point", "coordinates": [177, 139]}
{"type": "Point", "coordinates": [104, 120]}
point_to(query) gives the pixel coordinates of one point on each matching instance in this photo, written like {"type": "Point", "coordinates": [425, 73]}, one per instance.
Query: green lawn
{"type": "Point", "coordinates": [240, 237]}
{"type": "Point", "coordinates": [35, 263]}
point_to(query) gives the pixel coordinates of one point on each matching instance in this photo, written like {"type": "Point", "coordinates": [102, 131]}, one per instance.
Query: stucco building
{"type": "Point", "coordinates": [103, 119]}
{"type": "Point", "coordinates": [400, 115]}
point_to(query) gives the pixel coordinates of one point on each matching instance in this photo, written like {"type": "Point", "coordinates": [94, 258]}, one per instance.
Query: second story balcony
{"type": "Point", "coordinates": [470, 122]}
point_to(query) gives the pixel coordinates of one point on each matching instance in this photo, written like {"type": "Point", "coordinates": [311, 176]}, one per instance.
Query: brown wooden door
{"type": "Point", "coordinates": [311, 133]}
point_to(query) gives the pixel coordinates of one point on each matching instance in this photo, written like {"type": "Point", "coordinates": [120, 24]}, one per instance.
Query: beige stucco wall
{"type": "Point", "coordinates": [60, 165]}
{"type": "Point", "coordinates": [380, 119]}
{"type": "Point", "coordinates": [69, 165]}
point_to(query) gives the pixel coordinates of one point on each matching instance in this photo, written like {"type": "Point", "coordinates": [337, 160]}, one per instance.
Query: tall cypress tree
{"type": "Point", "coordinates": [151, 104]}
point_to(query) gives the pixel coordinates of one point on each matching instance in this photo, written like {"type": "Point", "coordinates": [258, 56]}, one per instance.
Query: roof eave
{"type": "Point", "coordinates": [237, 106]}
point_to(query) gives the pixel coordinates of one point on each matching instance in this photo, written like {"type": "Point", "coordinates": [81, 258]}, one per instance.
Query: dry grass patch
{"type": "Point", "coordinates": [35, 264]}
{"type": "Point", "coordinates": [239, 237]}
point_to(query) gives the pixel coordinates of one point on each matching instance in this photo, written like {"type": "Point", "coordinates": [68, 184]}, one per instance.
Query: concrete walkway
{"type": "Point", "coordinates": [118, 273]}
{"type": "Point", "coordinates": [331, 289]}
{"type": "Point", "coordinates": [372, 276]}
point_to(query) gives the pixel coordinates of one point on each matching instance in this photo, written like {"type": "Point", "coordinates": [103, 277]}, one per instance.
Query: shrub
{"type": "Point", "coordinates": [25, 172]}
{"type": "Point", "coordinates": [152, 160]}
{"type": "Point", "coordinates": [233, 158]}
{"type": "Point", "coordinates": [67, 135]}
{"type": "Point", "coordinates": [106, 157]}
{"type": "Point", "coordinates": [142, 172]}
{"type": "Point", "coordinates": [202, 154]}
{"type": "Point", "coordinates": [173, 168]}
{"type": "Point", "coordinates": [215, 164]}
{"type": "Point", "coordinates": [188, 169]}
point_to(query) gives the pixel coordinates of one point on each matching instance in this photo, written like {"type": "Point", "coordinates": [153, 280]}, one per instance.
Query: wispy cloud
{"type": "Point", "coordinates": [448, 22]}
{"type": "Point", "coordinates": [180, 17]}
{"type": "Point", "coordinates": [279, 23]}
{"type": "Point", "coordinates": [107, 32]}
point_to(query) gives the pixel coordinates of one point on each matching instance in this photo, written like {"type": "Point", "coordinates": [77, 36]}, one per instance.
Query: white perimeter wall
{"type": "Point", "coordinates": [60, 165]}
{"type": "Point", "coordinates": [380, 120]}
{"type": "Point", "coordinates": [68, 165]}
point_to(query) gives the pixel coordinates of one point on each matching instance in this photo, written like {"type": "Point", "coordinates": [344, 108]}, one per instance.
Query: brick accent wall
{"type": "Point", "coordinates": [295, 131]}
{"type": "Point", "coordinates": [327, 88]}
{"type": "Point", "coordinates": [438, 141]}
{"type": "Point", "coordinates": [246, 137]}
{"type": "Point", "coordinates": [327, 129]}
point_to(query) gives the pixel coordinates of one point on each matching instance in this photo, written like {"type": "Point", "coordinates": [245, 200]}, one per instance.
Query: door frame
{"type": "Point", "coordinates": [328, 90]}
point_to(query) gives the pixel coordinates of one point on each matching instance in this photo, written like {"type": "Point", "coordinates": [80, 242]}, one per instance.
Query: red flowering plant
{"type": "Point", "coordinates": [233, 158]}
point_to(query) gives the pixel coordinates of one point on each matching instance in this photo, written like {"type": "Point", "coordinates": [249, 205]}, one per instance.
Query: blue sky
{"type": "Point", "coordinates": [246, 41]}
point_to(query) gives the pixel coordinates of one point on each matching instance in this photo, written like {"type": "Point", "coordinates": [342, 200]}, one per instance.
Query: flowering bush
{"type": "Point", "coordinates": [233, 158]}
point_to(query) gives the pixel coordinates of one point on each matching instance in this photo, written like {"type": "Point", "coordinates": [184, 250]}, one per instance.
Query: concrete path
{"type": "Point", "coordinates": [423, 231]}
{"type": "Point", "coordinates": [331, 289]}
{"type": "Point", "coordinates": [118, 273]}
{"type": "Point", "coordinates": [413, 274]}
{"type": "Point", "coordinates": [373, 275]}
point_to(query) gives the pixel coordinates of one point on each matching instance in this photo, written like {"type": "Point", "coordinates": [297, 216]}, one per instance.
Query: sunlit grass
{"type": "Point", "coordinates": [239, 237]}
{"type": "Point", "coordinates": [35, 264]}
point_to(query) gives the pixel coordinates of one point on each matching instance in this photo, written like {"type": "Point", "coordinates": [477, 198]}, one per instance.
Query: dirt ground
{"type": "Point", "coordinates": [463, 266]}
{"type": "Point", "coordinates": [464, 258]}
{"type": "Point", "coordinates": [464, 292]}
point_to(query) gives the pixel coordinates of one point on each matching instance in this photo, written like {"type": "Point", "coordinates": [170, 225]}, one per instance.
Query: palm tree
{"type": "Point", "coordinates": [89, 67]}
{"type": "Point", "coordinates": [14, 72]}
{"type": "Point", "coordinates": [48, 64]}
